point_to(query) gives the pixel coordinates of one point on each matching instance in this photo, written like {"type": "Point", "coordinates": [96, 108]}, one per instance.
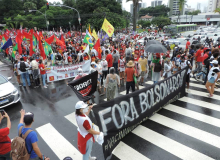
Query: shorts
{"type": "Point", "coordinates": [149, 61]}
{"type": "Point", "coordinates": [121, 69]}
{"type": "Point", "coordinates": [211, 80]}
{"type": "Point", "coordinates": [187, 78]}
{"type": "Point", "coordinates": [142, 73]}
{"type": "Point", "coordinates": [175, 69]}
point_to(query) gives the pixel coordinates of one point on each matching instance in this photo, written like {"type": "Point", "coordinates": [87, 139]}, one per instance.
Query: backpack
{"type": "Point", "coordinates": [157, 67]}
{"type": "Point", "coordinates": [207, 62]}
{"type": "Point", "coordinates": [18, 146]}
{"type": "Point", "coordinates": [22, 67]}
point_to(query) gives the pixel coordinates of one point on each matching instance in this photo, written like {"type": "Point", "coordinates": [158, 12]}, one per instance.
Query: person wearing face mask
{"type": "Point", "coordinates": [85, 130]}
{"type": "Point", "coordinates": [80, 74]}
{"type": "Point", "coordinates": [198, 60]}
{"type": "Point", "coordinates": [93, 58]}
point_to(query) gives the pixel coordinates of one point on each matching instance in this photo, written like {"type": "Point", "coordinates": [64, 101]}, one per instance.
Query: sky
{"type": "Point", "coordinates": [126, 6]}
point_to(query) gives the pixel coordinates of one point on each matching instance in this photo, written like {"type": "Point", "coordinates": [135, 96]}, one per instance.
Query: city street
{"type": "Point", "coordinates": [185, 129]}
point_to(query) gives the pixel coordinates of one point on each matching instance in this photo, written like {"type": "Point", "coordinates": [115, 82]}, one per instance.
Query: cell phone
{"type": "Point", "coordinates": [2, 111]}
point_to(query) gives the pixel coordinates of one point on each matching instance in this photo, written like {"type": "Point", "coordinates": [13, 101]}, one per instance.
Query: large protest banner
{"type": "Point", "coordinates": [118, 117]}
{"type": "Point", "coordinates": [57, 73]}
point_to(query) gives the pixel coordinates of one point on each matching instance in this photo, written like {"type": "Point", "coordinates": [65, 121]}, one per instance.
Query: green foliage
{"type": "Point", "coordinates": [181, 4]}
{"type": "Point", "coordinates": [217, 10]}
{"type": "Point", "coordinates": [157, 11]}
{"type": "Point", "coordinates": [144, 24]}
{"type": "Point", "coordinates": [161, 21]}
{"type": "Point", "coordinates": [196, 12]}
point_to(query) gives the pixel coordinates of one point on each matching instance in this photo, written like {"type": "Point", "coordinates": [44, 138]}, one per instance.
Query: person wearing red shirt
{"type": "Point", "coordinates": [85, 130]}
{"type": "Point", "coordinates": [206, 55]}
{"type": "Point", "coordinates": [5, 141]}
{"type": "Point", "coordinates": [129, 73]}
{"type": "Point", "coordinates": [43, 73]}
{"type": "Point", "coordinates": [109, 59]}
{"type": "Point", "coordinates": [187, 44]}
{"type": "Point", "coordinates": [198, 60]}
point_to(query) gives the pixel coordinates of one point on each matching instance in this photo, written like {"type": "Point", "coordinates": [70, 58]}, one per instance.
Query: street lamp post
{"type": "Point", "coordinates": [79, 19]}
{"type": "Point", "coordinates": [45, 16]}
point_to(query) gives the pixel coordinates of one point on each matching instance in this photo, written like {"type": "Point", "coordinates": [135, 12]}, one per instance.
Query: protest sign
{"type": "Point", "coordinates": [56, 73]}
{"type": "Point", "coordinates": [85, 86]}
{"type": "Point", "coordinates": [118, 117]}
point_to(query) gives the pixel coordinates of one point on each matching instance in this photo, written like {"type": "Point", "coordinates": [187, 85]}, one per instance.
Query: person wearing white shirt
{"type": "Point", "coordinates": [104, 65]}
{"type": "Point", "coordinates": [23, 67]}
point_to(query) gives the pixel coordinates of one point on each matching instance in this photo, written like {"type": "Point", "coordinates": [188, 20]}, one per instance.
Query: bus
{"type": "Point", "coordinates": [174, 29]}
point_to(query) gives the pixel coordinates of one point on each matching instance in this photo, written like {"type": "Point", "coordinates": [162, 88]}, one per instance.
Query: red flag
{"type": "Point", "coordinates": [41, 35]}
{"type": "Point", "coordinates": [42, 53]}
{"type": "Point", "coordinates": [31, 41]}
{"type": "Point", "coordinates": [0, 37]}
{"type": "Point", "coordinates": [19, 41]}
{"type": "Point", "coordinates": [69, 34]}
{"type": "Point", "coordinates": [28, 36]}
{"type": "Point", "coordinates": [59, 42]}
{"type": "Point", "coordinates": [50, 40]}
{"type": "Point", "coordinates": [6, 37]}
{"type": "Point", "coordinates": [62, 39]}
{"type": "Point", "coordinates": [97, 47]}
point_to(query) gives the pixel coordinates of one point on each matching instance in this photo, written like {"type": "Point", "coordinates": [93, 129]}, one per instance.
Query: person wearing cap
{"type": "Point", "coordinates": [85, 130]}
{"type": "Point", "coordinates": [129, 74]}
{"type": "Point", "coordinates": [5, 141]}
{"type": "Point", "coordinates": [32, 139]}
{"type": "Point", "coordinates": [213, 76]}
{"type": "Point", "coordinates": [93, 67]}
{"type": "Point", "coordinates": [80, 74]}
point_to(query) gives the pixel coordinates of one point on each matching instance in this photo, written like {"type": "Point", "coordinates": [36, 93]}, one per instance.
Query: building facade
{"type": "Point", "coordinates": [174, 8]}
{"type": "Point", "coordinates": [212, 5]}
{"type": "Point", "coordinates": [139, 7]}
{"type": "Point", "coordinates": [156, 3]}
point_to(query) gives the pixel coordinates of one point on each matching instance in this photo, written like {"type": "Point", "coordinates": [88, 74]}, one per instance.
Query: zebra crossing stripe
{"type": "Point", "coordinates": [125, 152]}
{"type": "Point", "coordinates": [169, 145]}
{"type": "Point", "coordinates": [58, 144]}
{"type": "Point", "coordinates": [195, 115]}
{"type": "Point", "coordinates": [188, 130]}
{"type": "Point", "coordinates": [200, 103]}
{"type": "Point", "coordinates": [200, 93]}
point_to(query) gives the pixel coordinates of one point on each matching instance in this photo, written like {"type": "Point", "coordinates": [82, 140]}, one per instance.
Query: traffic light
{"type": "Point", "coordinates": [47, 5]}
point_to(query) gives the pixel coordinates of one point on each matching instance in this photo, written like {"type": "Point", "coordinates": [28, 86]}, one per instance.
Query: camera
{"type": "Point", "coordinates": [2, 111]}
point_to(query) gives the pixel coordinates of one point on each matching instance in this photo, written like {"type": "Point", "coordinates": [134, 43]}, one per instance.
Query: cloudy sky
{"type": "Point", "coordinates": [193, 3]}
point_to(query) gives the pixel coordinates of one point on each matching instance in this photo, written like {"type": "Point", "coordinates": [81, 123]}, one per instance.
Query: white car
{"type": "Point", "coordinates": [8, 93]}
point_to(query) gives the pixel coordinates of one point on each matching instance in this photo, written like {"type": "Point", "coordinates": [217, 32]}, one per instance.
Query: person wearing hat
{"type": "Point", "coordinates": [213, 76]}
{"type": "Point", "coordinates": [32, 139]}
{"type": "Point", "coordinates": [129, 74]}
{"type": "Point", "coordinates": [85, 130]}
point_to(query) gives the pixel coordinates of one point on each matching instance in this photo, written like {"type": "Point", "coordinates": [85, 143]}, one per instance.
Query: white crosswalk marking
{"type": "Point", "coordinates": [204, 94]}
{"type": "Point", "coordinates": [124, 152]}
{"type": "Point", "coordinates": [169, 145]}
{"type": "Point", "coordinates": [188, 130]}
{"type": "Point", "coordinates": [59, 145]}
{"type": "Point", "coordinates": [201, 103]}
{"type": "Point", "coordinates": [195, 115]}
{"type": "Point", "coordinates": [1, 63]}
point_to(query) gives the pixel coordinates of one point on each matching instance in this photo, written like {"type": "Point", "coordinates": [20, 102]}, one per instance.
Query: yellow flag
{"type": "Point", "coordinates": [90, 30]}
{"type": "Point", "coordinates": [107, 27]}
{"type": "Point", "coordinates": [94, 35]}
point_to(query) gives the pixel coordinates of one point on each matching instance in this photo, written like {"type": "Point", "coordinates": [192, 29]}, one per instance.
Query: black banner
{"type": "Point", "coordinates": [118, 117]}
{"type": "Point", "coordinates": [85, 86]}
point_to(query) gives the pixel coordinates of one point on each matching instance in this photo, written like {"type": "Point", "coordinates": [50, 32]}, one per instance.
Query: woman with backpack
{"type": "Point", "coordinates": [157, 68]}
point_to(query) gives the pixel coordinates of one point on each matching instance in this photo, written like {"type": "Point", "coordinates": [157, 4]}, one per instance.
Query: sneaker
{"type": "Point", "coordinates": [20, 84]}
{"type": "Point", "coordinates": [45, 86]}
{"type": "Point", "coordinates": [92, 158]}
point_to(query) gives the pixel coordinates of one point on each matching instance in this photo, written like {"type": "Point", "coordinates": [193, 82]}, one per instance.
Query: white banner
{"type": "Point", "coordinates": [57, 73]}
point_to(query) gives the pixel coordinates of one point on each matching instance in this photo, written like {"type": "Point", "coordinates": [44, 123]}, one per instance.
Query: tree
{"type": "Point", "coordinates": [144, 24]}
{"type": "Point", "coordinates": [161, 21]}
{"type": "Point", "coordinates": [157, 11]}
{"type": "Point", "coordinates": [181, 5]}
{"type": "Point", "coordinates": [135, 6]}
{"type": "Point", "coordinates": [217, 10]}
{"type": "Point", "coordinates": [127, 16]}
{"type": "Point", "coordinates": [196, 12]}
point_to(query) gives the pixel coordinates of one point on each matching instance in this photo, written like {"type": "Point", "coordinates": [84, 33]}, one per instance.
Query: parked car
{"type": "Point", "coordinates": [8, 92]}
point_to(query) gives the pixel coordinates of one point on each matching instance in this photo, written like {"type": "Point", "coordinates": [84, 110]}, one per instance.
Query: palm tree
{"type": "Point", "coordinates": [181, 5]}
{"type": "Point", "coordinates": [135, 6]}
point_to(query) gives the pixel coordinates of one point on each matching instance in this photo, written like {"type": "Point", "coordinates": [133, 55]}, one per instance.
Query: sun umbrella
{"type": "Point", "coordinates": [156, 48]}
{"type": "Point", "coordinates": [152, 42]}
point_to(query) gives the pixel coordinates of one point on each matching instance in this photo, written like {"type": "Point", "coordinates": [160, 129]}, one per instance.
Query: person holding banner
{"type": "Point", "coordinates": [85, 130]}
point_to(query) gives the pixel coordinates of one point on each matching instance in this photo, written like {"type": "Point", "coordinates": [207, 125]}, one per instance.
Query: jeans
{"type": "Point", "coordinates": [199, 67]}
{"type": "Point", "coordinates": [24, 77]}
{"type": "Point", "coordinates": [128, 85]}
{"type": "Point", "coordinates": [5, 156]}
{"type": "Point", "coordinates": [115, 65]}
{"type": "Point", "coordinates": [43, 79]}
{"type": "Point", "coordinates": [155, 82]}
{"type": "Point", "coordinates": [88, 149]}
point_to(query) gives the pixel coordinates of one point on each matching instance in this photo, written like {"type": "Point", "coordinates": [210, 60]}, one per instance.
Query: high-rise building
{"type": "Point", "coordinates": [218, 4]}
{"type": "Point", "coordinates": [199, 6]}
{"type": "Point", "coordinates": [139, 7]}
{"type": "Point", "coordinates": [155, 3]}
{"type": "Point", "coordinates": [143, 5]}
{"type": "Point", "coordinates": [212, 5]}
{"type": "Point", "coordinates": [174, 8]}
